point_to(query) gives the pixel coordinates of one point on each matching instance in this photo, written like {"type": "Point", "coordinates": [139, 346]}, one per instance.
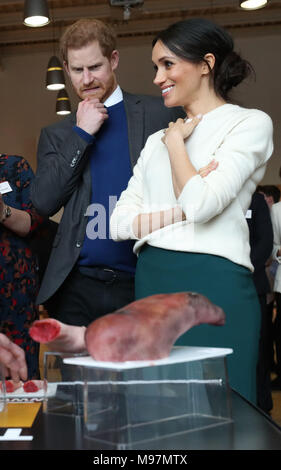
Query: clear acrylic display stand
{"type": "Point", "coordinates": [2, 390]}
{"type": "Point", "coordinates": [63, 385]}
{"type": "Point", "coordinates": [133, 402]}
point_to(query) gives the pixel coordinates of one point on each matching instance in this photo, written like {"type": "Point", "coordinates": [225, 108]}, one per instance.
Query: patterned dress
{"type": "Point", "coordinates": [18, 266]}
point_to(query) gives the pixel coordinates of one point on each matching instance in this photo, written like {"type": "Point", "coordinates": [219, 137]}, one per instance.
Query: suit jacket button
{"type": "Point", "coordinates": [78, 244]}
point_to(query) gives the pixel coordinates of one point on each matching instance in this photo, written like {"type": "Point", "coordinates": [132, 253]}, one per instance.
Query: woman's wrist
{"type": "Point", "coordinates": [174, 142]}
{"type": "Point", "coordinates": [16, 220]}
{"type": "Point", "coordinates": [6, 213]}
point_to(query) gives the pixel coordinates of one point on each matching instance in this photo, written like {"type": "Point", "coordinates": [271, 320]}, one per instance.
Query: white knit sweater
{"type": "Point", "coordinates": [240, 140]}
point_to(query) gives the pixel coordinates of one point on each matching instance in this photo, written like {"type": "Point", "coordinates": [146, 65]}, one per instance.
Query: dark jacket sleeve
{"type": "Point", "coordinates": [261, 240]}
{"type": "Point", "coordinates": [261, 232]}
{"type": "Point", "coordinates": [61, 158]}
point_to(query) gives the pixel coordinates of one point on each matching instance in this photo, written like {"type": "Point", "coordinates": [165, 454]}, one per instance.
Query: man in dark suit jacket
{"type": "Point", "coordinates": [84, 163]}
{"type": "Point", "coordinates": [261, 242]}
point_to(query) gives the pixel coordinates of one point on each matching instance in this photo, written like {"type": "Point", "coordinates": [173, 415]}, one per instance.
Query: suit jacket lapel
{"type": "Point", "coordinates": [135, 119]}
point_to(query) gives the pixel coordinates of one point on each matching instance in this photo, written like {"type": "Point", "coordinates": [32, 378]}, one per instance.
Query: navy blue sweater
{"type": "Point", "coordinates": [110, 171]}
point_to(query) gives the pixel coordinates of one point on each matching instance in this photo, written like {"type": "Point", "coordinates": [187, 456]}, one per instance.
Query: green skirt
{"type": "Point", "coordinates": [224, 283]}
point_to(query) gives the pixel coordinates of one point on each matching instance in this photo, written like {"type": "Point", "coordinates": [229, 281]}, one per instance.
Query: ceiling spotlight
{"type": "Point", "coordinates": [253, 4]}
{"type": "Point", "coordinates": [63, 103]}
{"type": "Point", "coordinates": [126, 13]}
{"type": "Point", "coordinates": [55, 76]}
{"type": "Point", "coordinates": [36, 13]}
{"type": "Point", "coordinates": [127, 5]}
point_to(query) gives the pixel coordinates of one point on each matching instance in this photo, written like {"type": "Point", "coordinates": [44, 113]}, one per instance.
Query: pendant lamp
{"type": "Point", "coordinates": [253, 4]}
{"type": "Point", "coordinates": [36, 13]}
{"type": "Point", "coordinates": [63, 103]}
{"type": "Point", "coordinates": [55, 76]}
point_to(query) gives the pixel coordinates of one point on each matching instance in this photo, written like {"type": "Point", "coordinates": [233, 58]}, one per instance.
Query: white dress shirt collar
{"type": "Point", "coordinates": [114, 98]}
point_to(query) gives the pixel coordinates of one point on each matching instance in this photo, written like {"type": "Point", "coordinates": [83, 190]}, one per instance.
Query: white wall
{"type": "Point", "coordinates": [265, 93]}
{"type": "Point", "coordinates": [26, 105]}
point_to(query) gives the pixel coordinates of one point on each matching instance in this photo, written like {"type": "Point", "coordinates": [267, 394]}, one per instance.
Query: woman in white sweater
{"type": "Point", "coordinates": [191, 233]}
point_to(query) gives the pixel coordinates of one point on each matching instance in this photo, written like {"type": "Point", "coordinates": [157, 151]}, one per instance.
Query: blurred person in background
{"type": "Point", "coordinates": [261, 243]}
{"type": "Point", "coordinates": [18, 265]}
{"type": "Point", "coordinates": [276, 255]}
{"type": "Point", "coordinates": [271, 195]}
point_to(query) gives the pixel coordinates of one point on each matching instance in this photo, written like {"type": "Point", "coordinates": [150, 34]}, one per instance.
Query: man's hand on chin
{"type": "Point", "coordinates": [91, 114]}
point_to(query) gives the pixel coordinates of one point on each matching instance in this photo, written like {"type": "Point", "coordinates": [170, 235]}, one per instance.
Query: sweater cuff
{"type": "Point", "coordinates": [84, 135]}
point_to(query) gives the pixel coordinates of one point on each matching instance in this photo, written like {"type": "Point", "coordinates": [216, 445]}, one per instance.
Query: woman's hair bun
{"type": "Point", "coordinates": [232, 71]}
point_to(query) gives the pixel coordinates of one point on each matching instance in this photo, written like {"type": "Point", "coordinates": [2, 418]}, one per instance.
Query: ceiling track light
{"type": "Point", "coordinates": [36, 13]}
{"type": "Point", "coordinates": [55, 76]}
{"type": "Point", "coordinates": [127, 13]}
{"type": "Point", "coordinates": [253, 4]}
{"type": "Point", "coordinates": [127, 5]}
{"type": "Point", "coordinates": [63, 106]}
